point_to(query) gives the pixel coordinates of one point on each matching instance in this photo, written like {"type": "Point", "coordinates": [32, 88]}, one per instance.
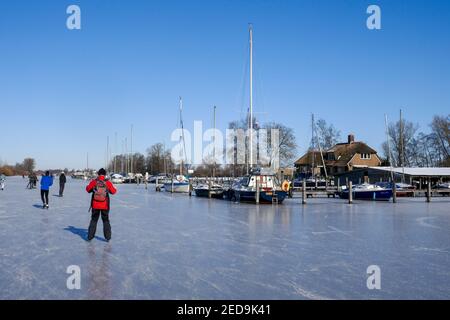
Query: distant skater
{"type": "Point", "coordinates": [2, 181]}
{"type": "Point", "coordinates": [46, 183]}
{"type": "Point", "coordinates": [32, 181]}
{"type": "Point", "coordinates": [100, 204]}
{"type": "Point", "coordinates": [62, 183]}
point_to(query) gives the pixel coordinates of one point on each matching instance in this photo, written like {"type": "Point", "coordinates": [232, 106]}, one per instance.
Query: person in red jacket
{"type": "Point", "coordinates": [100, 189]}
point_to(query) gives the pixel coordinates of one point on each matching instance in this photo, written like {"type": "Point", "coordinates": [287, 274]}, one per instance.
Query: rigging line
{"type": "Point", "coordinates": [182, 133]}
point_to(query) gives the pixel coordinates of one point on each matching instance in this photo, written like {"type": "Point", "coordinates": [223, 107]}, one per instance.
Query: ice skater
{"type": "Point", "coordinates": [62, 183]}
{"type": "Point", "coordinates": [32, 181]}
{"type": "Point", "coordinates": [2, 181]}
{"type": "Point", "coordinates": [46, 183]}
{"type": "Point", "coordinates": [100, 204]}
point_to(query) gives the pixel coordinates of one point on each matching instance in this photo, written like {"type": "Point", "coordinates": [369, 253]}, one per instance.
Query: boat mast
{"type": "Point", "coordinates": [389, 147]}
{"type": "Point", "coordinates": [251, 94]}
{"type": "Point", "coordinates": [126, 156]}
{"type": "Point", "coordinates": [131, 150]}
{"type": "Point", "coordinates": [402, 146]}
{"type": "Point", "coordinates": [313, 152]}
{"type": "Point", "coordinates": [164, 159]}
{"type": "Point", "coordinates": [115, 152]}
{"type": "Point", "coordinates": [107, 153]}
{"type": "Point", "coordinates": [182, 136]}
{"type": "Point", "coordinates": [214, 141]}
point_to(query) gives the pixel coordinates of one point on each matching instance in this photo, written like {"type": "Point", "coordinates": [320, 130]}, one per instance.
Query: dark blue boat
{"type": "Point", "coordinates": [367, 192]}
{"type": "Point", "coordinates": [270, 190]}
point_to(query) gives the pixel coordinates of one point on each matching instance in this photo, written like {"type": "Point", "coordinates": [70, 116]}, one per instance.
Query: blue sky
{"type": "Point", "coordinates": [63, 92]}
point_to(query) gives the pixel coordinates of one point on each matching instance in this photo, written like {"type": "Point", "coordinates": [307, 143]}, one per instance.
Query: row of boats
{"type": "Point", "coordinates": [266, 187]}
{"type": "Point", "coordinates": [260, 186]}
{"type": "Point", "coordinates": [270, 190]}
{"type": "Point", "coordinates": [263, 186]}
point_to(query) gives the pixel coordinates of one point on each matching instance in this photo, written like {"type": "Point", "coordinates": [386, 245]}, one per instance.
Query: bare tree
{"type": "Point", "coordinates": [286, 146]}
{"type": "Point", "coordinates": [440, 137]}
{"type": "Point", "coordinates": [327, 134]}
{"type": "Point", "coordinates": [158, 159]}
{"type": "Point", "coordinates": [402, 138]}
{"type": "Point", "coordinates": [29, 164]}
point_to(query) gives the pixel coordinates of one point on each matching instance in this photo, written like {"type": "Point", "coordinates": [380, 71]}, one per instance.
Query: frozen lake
{"type": "Point", "coordinates": [175, 247]}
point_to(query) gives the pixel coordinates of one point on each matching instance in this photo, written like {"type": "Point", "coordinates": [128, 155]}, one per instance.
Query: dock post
{"type": "Point", "coordinates": [338, 183]}
{"type": "Point", "coordinates": [394, 192]}
{"type": "Point", "coordinates": [209, 188]}
{"type": "Point", "coordinates": [350, 192]}
{"type": "Point", "coordinates": [171, 189]}
{"type": "Point", "coordinates": [429, 191]}
{"type": "Point", "coordinates": [257, 191]}
{"type": "Point", "coordinates": [304, 191]}
{"type": "Point", "coordinates": [156, 184]}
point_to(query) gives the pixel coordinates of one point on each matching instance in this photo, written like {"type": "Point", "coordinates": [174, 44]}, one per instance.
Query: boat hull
{"type": "Point", "coordinates": [178, 187]}
{"type": "Point", "coordinates": [217, 194]}
{"type": "Point", "coordinates": [264, 196]}
{"type": "Point", "coordinates": [375, 195]}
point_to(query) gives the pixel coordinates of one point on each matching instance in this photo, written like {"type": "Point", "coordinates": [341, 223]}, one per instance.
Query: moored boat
{"type": "Point", "coordinates": [270, 190]}
{"type": "Point", "coordinates": [204, 190]}
{"type": "Point", "coordinates": [367, 191]}
{"type": "Point", "coordinates": [180, 184]}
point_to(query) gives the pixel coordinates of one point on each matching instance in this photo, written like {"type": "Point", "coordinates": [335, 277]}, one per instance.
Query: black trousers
{"type": "Point", "coordinates": [61, 189]}
{"type": "Point", "coordinates": [93, 225]}
{"type": "Point", "coordinates": [44, 196]}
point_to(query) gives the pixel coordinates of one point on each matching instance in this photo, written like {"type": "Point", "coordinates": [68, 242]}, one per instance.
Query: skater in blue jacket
{"type": "Point", "coordinates": [46, 183]}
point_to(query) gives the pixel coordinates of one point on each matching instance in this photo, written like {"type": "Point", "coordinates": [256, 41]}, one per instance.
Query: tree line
{"type": "Point", "coordinates": [413, 148]}
{"type": "Point", "coordinates": [26, 167]}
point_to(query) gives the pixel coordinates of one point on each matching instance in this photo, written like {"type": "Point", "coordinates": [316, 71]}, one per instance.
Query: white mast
{"type": "Point", "coordinates": [251, 94]}
{"type": "Point", "coordinates": [126, 156]}
{"type": "Point", "coordinates": [181, 137]}
{"type": "Point", "coordinates": [402, 146]}
{"type": "Point", "coordinates": [214, 150]}
{"type": "Point", "coordinates": [107, 153]}
{"type": "Point", "coordinates": [115, 152]}
{"type": "Point", "coordinates": [131, 150]}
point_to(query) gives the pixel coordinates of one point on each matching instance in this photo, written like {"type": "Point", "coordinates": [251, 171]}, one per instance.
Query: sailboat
{"type": "Point", "coordinates": [212, 190]}
{"type": "Point", "coordinates": [270, 188]}
{"type": "Point", "coordinates": [179, 183]}
{"type": "Point", "coordinates": [260, 185]}
{"type": "Point", "coordinates": [366, 191]}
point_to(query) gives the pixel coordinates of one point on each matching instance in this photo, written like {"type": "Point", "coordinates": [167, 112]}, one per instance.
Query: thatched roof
{"type": "Point", "coordinates": [343, 153]}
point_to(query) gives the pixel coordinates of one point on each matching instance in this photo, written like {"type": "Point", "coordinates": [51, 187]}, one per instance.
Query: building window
{"type": "Point", "coordinates": [365, 156]}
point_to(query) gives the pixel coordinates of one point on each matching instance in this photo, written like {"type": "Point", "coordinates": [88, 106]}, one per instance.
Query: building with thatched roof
{"type": "Point", "coordinates": [340, 158]}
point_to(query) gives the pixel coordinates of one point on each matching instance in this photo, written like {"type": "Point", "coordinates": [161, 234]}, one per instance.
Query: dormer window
{"type": "Point", "coordinates": [366, 156]}
{"type": "Point", "coordinates": [330, 156]}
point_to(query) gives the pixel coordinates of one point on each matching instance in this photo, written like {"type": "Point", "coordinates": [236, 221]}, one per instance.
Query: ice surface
{"type": "Point", "coordinates": [174, 247]}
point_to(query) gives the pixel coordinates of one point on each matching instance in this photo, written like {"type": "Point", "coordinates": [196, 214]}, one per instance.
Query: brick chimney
{"type": "Point", "coordinates": [351, 138]}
